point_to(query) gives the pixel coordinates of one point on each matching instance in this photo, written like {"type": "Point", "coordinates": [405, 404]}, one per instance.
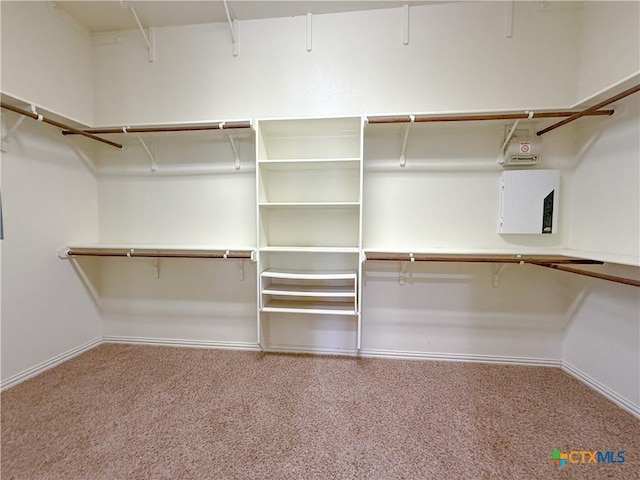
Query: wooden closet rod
{"type": "Point", "coordinates": [489, 116]}
{"type": "Point", "coordinates": [590, 110]}
{"type": "Point", "coordinates": [587, 273]}
{"type": "Point", "coordinates": [64, 127]}
{"type": "Point", "coordinates": [87, 252]}
{"type": "Point", "coordinates": [184, 128]}
{"type": "Point", "coordinates": [429, 257]}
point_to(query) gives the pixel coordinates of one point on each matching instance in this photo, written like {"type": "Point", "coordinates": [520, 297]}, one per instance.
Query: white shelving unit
{"type": "Point", "coordinates": [309, 191]}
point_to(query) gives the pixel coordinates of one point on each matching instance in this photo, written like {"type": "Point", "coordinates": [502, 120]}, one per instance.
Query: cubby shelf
{"type": "Point", "coordinates": [309, 204]}
{"type": "Point", "coordinates": [309, 292]}
{"type": "Point", "coordinates": [313, 308]}
{"type": "Point", "coordinates": [310, 163]}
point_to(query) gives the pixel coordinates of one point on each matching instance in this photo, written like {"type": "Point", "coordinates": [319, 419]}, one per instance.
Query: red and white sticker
{"type": "Point", "coordinates": [525, 147]}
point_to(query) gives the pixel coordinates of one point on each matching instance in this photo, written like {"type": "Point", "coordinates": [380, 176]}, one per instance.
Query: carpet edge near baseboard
{"type": "Point", "coordinates": [602, 389]}
{"type": "Point", "coordinates": [53, 362]}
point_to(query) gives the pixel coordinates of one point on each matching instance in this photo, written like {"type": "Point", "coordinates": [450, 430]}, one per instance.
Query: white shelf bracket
{"type": "Point", "coordinates": [497, 271]}
{"type": "Point", "coordinates": [509, 136]}
{"type": "Point", "coordinates": [508, 18]}
{"type": "Point", "coordinates": [402, 278]}
{"type": "Point", "coordinates": [405, 24]}
{"type": "Point", "coordinates": [234, 147]}
{"type": "Point", "coordinates": [156, 267]}
{"type": "Point", "coordinates": [254, 255]}
{"type": "Point", "coordinates": [241, 270]}
{"type": "Point", "coordinates": [148, 38]}
{"type": "Point", "coordinates": [309, 31]}
{"type": "Point", "coordinates": [405, 139]}
{"type": "Point", "coordinates": [233, 25]}
{"type": "Point", "coordinates": [7, 138]}
{"type": "Point", "coordinates": [152, 159]}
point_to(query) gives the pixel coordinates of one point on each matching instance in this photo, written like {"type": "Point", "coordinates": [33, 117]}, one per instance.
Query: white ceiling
{"type": "Point", "coordinates": [103, 16]}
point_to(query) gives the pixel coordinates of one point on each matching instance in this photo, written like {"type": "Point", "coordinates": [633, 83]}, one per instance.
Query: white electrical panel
{"type": "Point", "coordinates": [529, 201]}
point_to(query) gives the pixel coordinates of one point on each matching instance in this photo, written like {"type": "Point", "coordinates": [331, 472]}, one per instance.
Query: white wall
{"type": "Point", "coordinates": [453, 311]}
{"type": "Point", "coordinates": [606, 199]}
{"type": "Point", "coordinates": [48, 196]}
{"type": "Point", "coordinates": [609, 47]}
{"type": "Point", "coordinates": [47, 59]}
{"type": "Point", "coordinates": [458, 59]}
{"type": "Point", "coordinates": [602, 341]}
{"type": "Point", "coordinates": [446, 197]}
{"type": "Point", "coordinates": [196, 197]}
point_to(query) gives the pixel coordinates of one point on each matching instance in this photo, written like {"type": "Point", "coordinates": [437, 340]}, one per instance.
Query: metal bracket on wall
{"type": "Point", "coordinates": [152, 159]}
{"type": "Point", "coordinates": [7, 137]}
{"type": "Point", "coordinates": [508, 19]}
{"type": "Point", "coordinates": [234, 147]}
{"type": "Point", "coordinates": [309, 31]}
{"type": "Point", "coordinates": [405, 24]}
{"type": "Point", "coordinates": [497, 271]}
{"type": "Point", "coordinates": [509, 136]}
{"type": "Point", "coordinates": [402, 277]}
{"type": "Point", "coordinates": [233, 25]}
{"type": "Point", "coordinates": [405, 139]}
{"type": "Point", "coordinates": [150, 38]}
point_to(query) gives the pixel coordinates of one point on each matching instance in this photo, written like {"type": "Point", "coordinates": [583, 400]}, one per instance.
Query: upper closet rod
{"type": "Point", "coordinates": [489, 116]}
{"type": "Point", "coordinates": [133, 253]}
{"type": "Point", "coordinates": [590, 110]}
{"type": "Point", "coordinates": [39, 117]}
{"type": "Point", "coordinates": [183, 128]}
{"type": "Point", "coordinates": [488, 258]}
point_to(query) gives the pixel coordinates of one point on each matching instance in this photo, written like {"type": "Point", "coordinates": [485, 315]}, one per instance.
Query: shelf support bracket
{"type": "Point", "coordinates": [150, 38]}
{"type": "Point", "coordinates": [309, 31]}
{"type": "Point", "coordinates": [509, 136]}
{"type": "Point", "coordinates": [241, 271]}
{"type": "Point", "coordinates": [234, 147]}
{"type": "Point", "coordinates": [152, 159]}
{"type": "Point", "coordinates": [497, 271]}
{"type": "Point", "coordinates": [405, 24]}
{"type": "Point", "coordinates": [7, 138]}
{"type": "Point", "coordinates": [156, 267]}
{"type": "Point", "coordinates": [402, 278]}
{"type": "Point", "coordinates": [233, 25]}
{"type": "Point", "coordinates": [508, 19]}
{"type": "Point", "coordinates": [405, 139]}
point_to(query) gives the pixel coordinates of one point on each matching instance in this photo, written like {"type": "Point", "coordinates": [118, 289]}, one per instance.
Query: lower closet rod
{"type": "Point", "coordinates": [36, 116]}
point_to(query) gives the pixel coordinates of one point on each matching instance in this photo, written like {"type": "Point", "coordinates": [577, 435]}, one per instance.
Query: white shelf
{"type": "Point", "coordinates": [310, 307]}
{"type": "Point", "coordinates": [309, 275]}
{"type": "Point", "coordinates": [309, 291]}
{"type": "Point", "coordinates": [310, 164]}
{"type": "Point", "coordinates": [309, 204]}
{"type": "Point", "coordinates": [296, 249]}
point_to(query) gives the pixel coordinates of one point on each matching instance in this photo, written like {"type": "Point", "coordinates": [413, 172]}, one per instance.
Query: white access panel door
{"type": "Point", "coordinates": [529, 201]}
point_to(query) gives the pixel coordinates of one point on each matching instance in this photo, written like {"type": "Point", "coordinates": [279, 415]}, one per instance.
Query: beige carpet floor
{"type": "Point", "coordinates": [137, 412]}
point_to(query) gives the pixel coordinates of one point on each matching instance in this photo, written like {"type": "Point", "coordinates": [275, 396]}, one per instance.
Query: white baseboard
{"type": "Point", "coordinates": [616, 398]}
{"type": "Point", "coordinates": [48, 364]}
{"type": "Point", "coordinates": [308, 350]}
{"type": "Point", "coordinates": [173, 342]}
{"type": "Point", "coordinates": [457, 357]}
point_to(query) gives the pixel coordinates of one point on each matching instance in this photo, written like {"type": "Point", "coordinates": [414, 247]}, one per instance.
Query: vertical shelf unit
{"type": "Point", "coordinates": [309, 191]}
